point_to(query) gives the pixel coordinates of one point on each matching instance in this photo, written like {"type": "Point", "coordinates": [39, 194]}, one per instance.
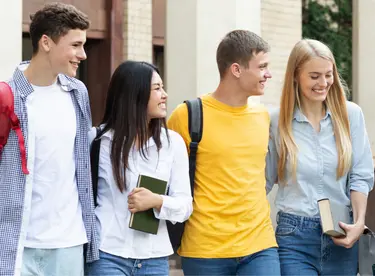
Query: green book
{"type": "Point", "coordinates": [145, 221]}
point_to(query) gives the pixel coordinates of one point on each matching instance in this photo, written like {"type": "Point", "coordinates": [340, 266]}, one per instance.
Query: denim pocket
{"type": "Point", "coordinates": [285, 229]}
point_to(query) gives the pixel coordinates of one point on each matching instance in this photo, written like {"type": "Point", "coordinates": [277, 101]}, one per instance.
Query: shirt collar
{"type": "Point", "coordinates": [300, 117]}
{"type": "Point", "coordinates": [25, 88]}
{"type": "Point", "coordinates": [66, 83]}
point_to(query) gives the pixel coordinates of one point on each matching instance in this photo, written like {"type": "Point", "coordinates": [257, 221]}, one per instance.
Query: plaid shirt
{"type": "Point", "coordinates": [16, 188]}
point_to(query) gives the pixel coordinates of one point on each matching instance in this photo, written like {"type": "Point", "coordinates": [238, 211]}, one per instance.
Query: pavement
{"type": "Point", "coordinates": [175, 266]}
{"type": "Point", "coordinates": [176, 272]}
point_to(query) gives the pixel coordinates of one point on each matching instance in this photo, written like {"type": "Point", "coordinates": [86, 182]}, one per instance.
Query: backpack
{"type": "Point", "coordinates": [9, 121]}
{"type": "Point", "coordinates": [195, 118]}
{"type": "Point", "coordinates": [94, 157]}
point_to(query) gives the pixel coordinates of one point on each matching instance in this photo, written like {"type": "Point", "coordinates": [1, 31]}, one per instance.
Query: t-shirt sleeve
{"type": "Point", "coordinates": [178, 121]}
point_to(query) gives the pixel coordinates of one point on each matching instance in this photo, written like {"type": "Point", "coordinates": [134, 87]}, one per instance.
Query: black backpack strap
{"type": "Point", "coordinates": [195, 113]}
{"type": "Point", "coordinates": [94, 156]}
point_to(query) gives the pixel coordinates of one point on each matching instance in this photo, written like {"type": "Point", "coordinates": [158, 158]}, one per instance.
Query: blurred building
{"type": "Point", "coordinates": [181, 38]}
{"type": "Point", "coordinates": [138, 29]}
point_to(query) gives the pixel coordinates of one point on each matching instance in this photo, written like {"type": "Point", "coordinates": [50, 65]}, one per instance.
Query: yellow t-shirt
{"type": "Point", "coordinates": [231, 214]}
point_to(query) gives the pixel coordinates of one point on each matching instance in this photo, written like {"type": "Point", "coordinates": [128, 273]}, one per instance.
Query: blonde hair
{"type": "Point", "coordinates": [302, 52]}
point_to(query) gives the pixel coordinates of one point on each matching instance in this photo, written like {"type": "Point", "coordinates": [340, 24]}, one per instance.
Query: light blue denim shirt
{"type": "Point", "coordinates": [317, 163]}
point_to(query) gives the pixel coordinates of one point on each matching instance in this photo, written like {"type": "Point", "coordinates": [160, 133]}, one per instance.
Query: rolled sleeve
{"type": "Point", "coordinates": [361, 175]}
{"type": "Point", "coordinates": [177, 205]}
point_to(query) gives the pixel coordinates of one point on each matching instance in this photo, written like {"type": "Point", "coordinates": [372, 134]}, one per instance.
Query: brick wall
{"type": "Point", "coordinates": [281, 27]}
{"type": "Point", "coordinates": [138, 30]}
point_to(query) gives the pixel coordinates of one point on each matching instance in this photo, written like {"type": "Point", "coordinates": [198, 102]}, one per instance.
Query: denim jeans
{"type": "Point", "coordinates": [263, 263]}
{"type": "Point", "coordinates": [304, 250]}
{"type": "Point", "coordinates": [53, 262]}
{"type": "Point", "coordinates": [111, 265]}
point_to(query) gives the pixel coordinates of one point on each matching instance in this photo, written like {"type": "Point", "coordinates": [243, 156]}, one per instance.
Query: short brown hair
{"type": "Point", "coordinates": [56, 20]}
{"type": "Point", "coordinates": [238, 46]}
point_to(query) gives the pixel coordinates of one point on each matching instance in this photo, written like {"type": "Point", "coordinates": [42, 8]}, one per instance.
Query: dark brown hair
{"type": "Point", "coordinates": [56, 20]}
{"type": "Point", "coordinates": [239, 46]}
{"type": "Point", "coordinates": [126, 115]}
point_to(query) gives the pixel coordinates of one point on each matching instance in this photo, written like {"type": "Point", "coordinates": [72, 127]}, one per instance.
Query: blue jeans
{"type": "Point", "coordinates": [304, 250]}
{"type": "Point", "coordinates": [111, 265]}
{"type": "Point", "coordinates": [53, 262]}
{"type": "Point", "coordinates": [263, 263]}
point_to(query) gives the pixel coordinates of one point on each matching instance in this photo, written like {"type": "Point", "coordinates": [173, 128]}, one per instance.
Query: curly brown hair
{"type": "Point", "coordinates": [56, 20]}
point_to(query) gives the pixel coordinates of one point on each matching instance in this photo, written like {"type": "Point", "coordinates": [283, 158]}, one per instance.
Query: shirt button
{"type": "Point", "coordinates": [139, 265]}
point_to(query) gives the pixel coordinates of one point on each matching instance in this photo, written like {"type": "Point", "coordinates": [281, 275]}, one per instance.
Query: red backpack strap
{"type": "Point", "coordinates": [7, 108]}
{"type": "Point", "coordinates": [3, 137]}
{"type": "Point", "coordinates": [17, 128]}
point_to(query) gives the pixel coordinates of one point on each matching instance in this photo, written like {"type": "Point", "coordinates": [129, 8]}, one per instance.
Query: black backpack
{"type": "Point", "coordinates": [94, 158]}
{"type": "Point", "coordinates": [195, 117]}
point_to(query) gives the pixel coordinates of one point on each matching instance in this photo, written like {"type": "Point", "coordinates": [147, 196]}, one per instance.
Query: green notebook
{"type": "Point", "coordinates": [145, 221]}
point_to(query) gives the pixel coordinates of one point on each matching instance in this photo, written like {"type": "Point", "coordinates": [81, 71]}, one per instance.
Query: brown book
{"type": "Point", "coordinates": [330, 216]}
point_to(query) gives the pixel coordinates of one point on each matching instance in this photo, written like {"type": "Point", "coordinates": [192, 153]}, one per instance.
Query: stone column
{"type": "Point", "coordinates": [364, 61]}
{"type": "Point", "coordinates": [363, 93]}
{"type": "Point", "coordinates": [194, 29]}
{"type": "Point", "coordinates": [11, 33]}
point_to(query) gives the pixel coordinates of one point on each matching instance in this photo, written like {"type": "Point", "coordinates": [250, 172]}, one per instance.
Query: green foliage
{"type": "Point", "coordinates": [333, 26]}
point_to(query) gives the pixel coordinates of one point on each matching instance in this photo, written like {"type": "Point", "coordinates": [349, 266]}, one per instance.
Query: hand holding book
{"type": "Point", "coordinates": [353, 233]}
{"type": "Point", "coordinates": [142, 199]}
{"type": "Point", "coordinates": [336, 222]}
{"type": "Point", "coordinates": [141, 202]}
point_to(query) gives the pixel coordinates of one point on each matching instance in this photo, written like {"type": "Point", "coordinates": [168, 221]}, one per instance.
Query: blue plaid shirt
{"type": "Point", "coordinates": [16, 188]}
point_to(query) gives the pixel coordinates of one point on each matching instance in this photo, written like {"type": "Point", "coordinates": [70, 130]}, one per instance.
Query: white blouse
{"type": "Point", "coordinates": [172, 165]}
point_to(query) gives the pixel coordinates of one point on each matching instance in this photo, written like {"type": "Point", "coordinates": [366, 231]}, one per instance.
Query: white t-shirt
{"type": "Point", "coordinates": [56, 215]}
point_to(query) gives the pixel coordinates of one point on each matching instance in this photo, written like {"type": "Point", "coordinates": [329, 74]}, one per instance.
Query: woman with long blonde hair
{"type": "Point", "coordinates": [318, 149]}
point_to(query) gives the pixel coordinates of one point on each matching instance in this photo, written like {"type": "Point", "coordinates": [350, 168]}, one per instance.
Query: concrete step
{"type": "Point", "coordinates": [176, 272]}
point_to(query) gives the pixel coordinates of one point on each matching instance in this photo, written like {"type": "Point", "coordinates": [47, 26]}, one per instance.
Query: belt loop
{"type": "Point", "coordinates": [301, 221]}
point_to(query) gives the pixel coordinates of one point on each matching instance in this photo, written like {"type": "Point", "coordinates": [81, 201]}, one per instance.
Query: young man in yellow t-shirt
{"type": "Point", "coordinates": [230, 231]}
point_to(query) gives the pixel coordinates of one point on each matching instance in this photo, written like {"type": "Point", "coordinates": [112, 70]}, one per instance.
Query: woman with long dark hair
{"type": "Point", "coordinates": [134, 142]}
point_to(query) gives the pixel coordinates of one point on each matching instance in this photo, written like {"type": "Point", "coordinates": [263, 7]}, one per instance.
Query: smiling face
{"type": "Point", "coordinates": [65, 55]}
{"type": "Point", "coordinates": [157, 104]}
{"type": "Point", "coordinates": [252, 80]}
{"type": "Point", "coordinates": [315, 79]}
